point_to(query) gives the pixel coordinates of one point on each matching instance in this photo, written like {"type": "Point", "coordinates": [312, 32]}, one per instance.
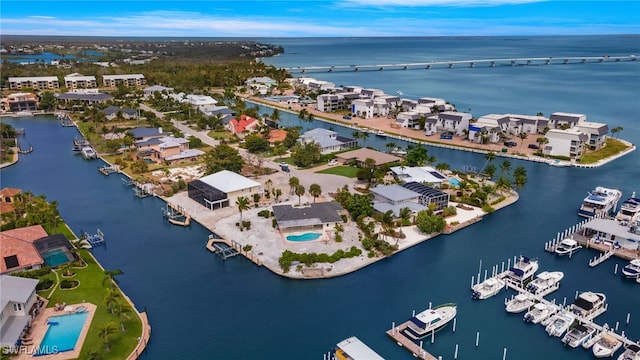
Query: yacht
{"type": "Point", "coordinates": [629, 209]}
{"type": "Point", "coordinates": [540, 312]}
{"type": "Point", "coordinates": [545, 283]}
{"type": "Point", "coordinates": [381, 133]}
{"type": "Point", "coordinates": [631, 352]}
{"type": "Point", "coordinates": [632, 269]}
{"type": "Point", "coordinates": [578, 335]}
{"type": "Point", "coordinates": [560, 323]}
{"type": "Point", "coordinates": [519, 303]}
{"type": "Point", "coordinates": [567, 247]}
{"type": "Point", "coordinates": [354, 349]}
{"type": "Point", "coordinates": [23, 113]}
{"type": "Point", "coordinates": [600, 201]}
{"type": "Point", "coordinates": [589, 305]}
{"type": "Point", "coordinates": [487, 288]}
{"type": "Point", "coordinates": [88, 153]}
{"type": "Point", "coordinates": [430, 320]}
{"type": "Point", "coordinates": [606, 346]}
{"type": "Point", "coordinates": [523, 270]}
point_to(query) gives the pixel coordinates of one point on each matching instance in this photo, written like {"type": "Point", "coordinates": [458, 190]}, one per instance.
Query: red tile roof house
{"type": "Point", "coordinates": [7, 197]}
{"type": "Point", "coordinates": [244, 125]}
{"type": "Point", "coordinates": [18, 251]}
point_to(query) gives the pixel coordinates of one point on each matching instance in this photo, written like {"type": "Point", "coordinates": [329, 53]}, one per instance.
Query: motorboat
{"type": "Point", "coordinates": [560, 322]}
{"type": "Point", "coordinates": [519, 303]}
{"type": "Point", "coordinates": [629, 209]}
{"type": "Point", "coordinates": [631, 352]}
{"type": "Point", "coordinates": [599, 202]}
{"type": "Point", "coordinates": [88, 153]}
{"type": "Point", "coordinates": [353, 348]}
{"type": "Point", "coordinates": [545, 283]}
{"type": "Point", "coordinates": [578, 335]}
{"type": "Point", "coordinates": [487, 288]}
{"type": "Point", "coordinates": [588, 305]}
{"type": "Point", "coordinates": [539, 312]}
{"type": "Point", "coordinates": [606, 346]}
{"type": "Point", "coordinates": [567, 247]}
{"type": "Point", "coordinates": [632, 270]}
{"type": "Point", "coordinates": [523, 270]}
{"type": "Point", "coordinates": [430, 320]}
{"type": "Point", "coordinates": [381, 133]}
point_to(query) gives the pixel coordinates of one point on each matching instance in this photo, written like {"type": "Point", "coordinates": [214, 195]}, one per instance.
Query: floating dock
{"type": "Point", "coordinates": [222, 247]}
{"type": "Point", "coordinates": [109, 169]}
{"type": "Point", "coordinates": [416, 350]}
{"type": "Point", "coordinates": [176, 215]}
{"type": "Point", "coordinates": [96, 239]}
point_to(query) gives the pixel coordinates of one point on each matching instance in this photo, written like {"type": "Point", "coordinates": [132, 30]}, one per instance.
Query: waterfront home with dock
{"type": "Point", "coordinates": [18, 301]}
{"type": "Point", "coordinates": [221, 189]}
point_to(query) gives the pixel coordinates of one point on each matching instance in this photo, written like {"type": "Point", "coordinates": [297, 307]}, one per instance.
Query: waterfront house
{"type": "Point", "coordinates": [561, 120]}
{"type": "Point", "coordinates": [488, 128]}
{"type": "Point", "coordinates": [130, 80]}
{"type": "Point", "coordinates": [167, 150]}
{"type": "Point", "coordinates": [20, 102]}
{"type": "Point", "coordinates": [223, 112]}
{"type": "Point", "coordinates": [329, 102]}
{"type": "Point", "coordinates": [329, 141]}
{"type": "Point", "coordinates": [437, 103]}
{"type": "Point", "coordinates": [429, 195]}
{"type": "Point", "coordinates": [371, 93]}
{"type": "Point", "coordinates": [360, 156]}
{"type": "Point", "coordinates": [261, 85]}
{"type": "Point", "coordinates": [421, 174]}
{"type": "Point", "coordinates": [614, 232]}
{"type": "Point", "coordinates": [18, 251]}
{"type": "Point", "coordinates": [242, 126]}
{"type": "Point", "coordinates": [453, 121]}
{"type": "Point", "coordinates": [531, 124]}
{"type": "Point", "coordinates": [34, 82]}
{"type": "Point", "coordinates": [408, 104]}
{"type": "Point", "coordinates": [146, 133]}
{"type": "Point", "coordinates": [200, 101]}
{"type": "Point", "coordinates": [7, 199]}
{"type": "Point", "coordinates": [596, 133]}
{"type": "Point", "coordinates": [111, 113]}
{"type": "Point", "coordinates": [88, 98]}
{"type": "Point", "coordinates": [221, 189]}
{"type": "Point", "coordinates": [18, 303]}
{"type": "Point", "coordinates": [570, 142]}
{"type": "Point", "coordinates": [395, 197]}
{"type": "Point", "coordinates": [316, 216]}
{"type": "Point", "coordinates": [409, 119]}
{"type": "Point", "coordinates": [363, 108]}
{"type": "Point", "coordinates": [79, 81]}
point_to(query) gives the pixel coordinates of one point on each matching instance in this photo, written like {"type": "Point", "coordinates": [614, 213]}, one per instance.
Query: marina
{"type": "Point", "coordinates": [600, 201]}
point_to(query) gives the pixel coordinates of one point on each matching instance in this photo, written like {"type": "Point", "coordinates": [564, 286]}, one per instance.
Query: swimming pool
{"type": "Point", "coordinates": [63, 333]}
{"type": "Point", "coordinates": [304, 237]}
{"type": "Point", "coordinates": [55, 258]}
{"type": "Point", "coordinates": [282, 98]}
{"type": "Point", "coordinates": [454, 182]}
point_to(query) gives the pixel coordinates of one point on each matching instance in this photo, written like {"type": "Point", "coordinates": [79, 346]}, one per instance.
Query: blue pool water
{"type": "Point", "coordinates": [281, 98]}
{"type": "Point", "coordinates": [454, 182]}
{"type": "Point", "coordinates": [55, 258]}
{"type": "Point", "coordinates": [304, 237]}
{"type": "Point", "coordinates": [63, 333]}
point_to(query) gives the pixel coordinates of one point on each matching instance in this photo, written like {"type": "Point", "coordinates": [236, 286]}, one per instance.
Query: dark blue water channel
{"type": "Point", "coordinates": [203, 308]}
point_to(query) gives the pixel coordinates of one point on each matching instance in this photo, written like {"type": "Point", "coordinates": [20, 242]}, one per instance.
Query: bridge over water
{"type": "Point", "coordinates": [467, 63]}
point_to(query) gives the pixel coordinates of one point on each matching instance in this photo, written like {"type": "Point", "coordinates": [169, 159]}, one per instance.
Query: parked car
{"type": "Point", "coordinates": [510, 143]}
{"type": "Point", "coordinates": [446, 136]}
{"type": "Point", "coordinates": [347, 117]}
{"type": "Point", "coordinates": [534, 146]}
{"type": "Point", "coordinates": [333, 162]}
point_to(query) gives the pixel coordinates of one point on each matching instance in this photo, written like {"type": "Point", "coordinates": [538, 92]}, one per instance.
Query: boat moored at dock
{"type": "Point", "coordinates": [88, 153]}
{"type": "Point", "coordinates": [560, 323]}
{"type": "Point", "coordinates": [601, 201]}
{"type": "Point", "coordinates": [487, 288]}
{"type": "Point", "coordinates": [567, 247]}
{"type": "Point", "coordinates": [519, 303]}
{"type": "Point", "coordinates": [629, 209]}
{"type": "Point", "coordinates": [522, 270]}
{"type": "Point", "coordinates": [632, 269]}
{"type": "Point", "coordinates": [539, 312]}
{"type": "Point", "coordinates": [606, 346]}
{"type": "Point", "coordinates": [545, 283]}
{"type": "Point", "coordinates": [631, 352]}
{"type": "Point", "coordinates": [354, 349]}
{"type": "Point", "coordinates": [578, 335]}
{"type": "Point", "coordinates": [430, 320]}
{"type": "Point", "coordinates": [588, 305]}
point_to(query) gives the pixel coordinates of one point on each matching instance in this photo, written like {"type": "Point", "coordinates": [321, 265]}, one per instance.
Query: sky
{"type": "Point", "coordinates": [317, 18]}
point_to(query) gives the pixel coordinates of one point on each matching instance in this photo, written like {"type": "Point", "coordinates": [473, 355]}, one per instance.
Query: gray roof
{"type": "Point", "coordinates": [610, 226]}
{"type": "Point", "coordinates": [84, 97]}
{"type": "Point", "coordinates": [114, 110]}
{"type": "Point", "coordinates": [394, 192]}
{"type": "Point", "coordinates": [15, 289]}
{"type": "Point", "coordinates": [142, 132]}
{"type": "Point", "coordinates": [315, 214]}
{"type": "Point", "coordinates": [383, 207]}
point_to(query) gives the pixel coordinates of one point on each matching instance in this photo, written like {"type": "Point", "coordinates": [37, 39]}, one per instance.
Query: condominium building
{"type": "Point", "coordinates": [123, 79]}
{"type": "Point", "coordinates": [34, 82]}
{"type": "Point", "coordinates": [79, 81]}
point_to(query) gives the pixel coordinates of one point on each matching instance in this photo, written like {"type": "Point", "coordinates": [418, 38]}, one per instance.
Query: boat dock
{"type": "Point", "coordinates": [176, 215]}
{"type": "Point", "coordinates": [222, 247]}
{"type": "Point", "coordinates": [109, 169]}
{"type": "Point", "coordinates": [142, 190]}
{"type": "Point", "coordinates": [416, 350]}
{"type": "Point", "coordinates": [96, 239]}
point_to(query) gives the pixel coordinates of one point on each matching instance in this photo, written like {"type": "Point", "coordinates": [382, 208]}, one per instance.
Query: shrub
{"type": "Point", "coordinates": [68, 283]}
{"type": "Point", "coordinates": [246, 224]}
{"type": "Point", "coordinates": [274, 223]}
{"type": "Point", "coordinates": [264, 213]}
{"type": "Point", "coordinates": [247, 248]}
{"type": "Point", "coordinates": [487, 208]}
{"type": "Point", "coordinates": [344, 218]}
{"type": "Point", "coordinates": [44, 284]}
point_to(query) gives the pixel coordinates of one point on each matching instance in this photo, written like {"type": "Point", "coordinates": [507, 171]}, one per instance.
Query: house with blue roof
{"type": "Point", "coordinates": [328, 140]}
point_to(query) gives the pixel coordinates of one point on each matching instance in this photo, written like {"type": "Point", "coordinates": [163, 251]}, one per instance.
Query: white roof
{"type": "Point", "coordinates": [33, 78]}
{"type": "Point", "coordinates": [228, 181]}
{"type": "Point", "coordinates": [15, 289]}
{"type": "Point", "coordinates": [569, 242]}
{"type": "Point", "coordinates": [123, 76]}
{"type": "Point", "coordinates": [185, 154]}
{"type": "Point", "coordinates": [419, 174]}
{"type": "Point", "coordinates": [357, 350]}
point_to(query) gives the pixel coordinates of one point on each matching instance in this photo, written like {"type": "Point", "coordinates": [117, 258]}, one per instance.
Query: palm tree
{"type": "Point", "coordinates": [357, 135]}
{"type": "Point", "coordinates": [541, 141]}
{"type": "Point", "coordinates": [300, 190]}
{"type": "Point", "coordinates": [616, 130]}
{"type": "Point", "coordinates": [243, 204]}
{"type": "Point", "coordinates": [388, 225]}
{"type": "Point", "coordinates": [109, 277]}
{"type": "Point", "coordinates": [391, 146]}
{"type": "Point", "coordinates": [276, 193]}
{"type": "Point", "coordinates": [123, 314]}
{"type": "Point", "coordinates": [94, 355]}
{"type": "Point", "coordinates": [442, 166]}
{"type": "Point", "coordinates": [505, 166]}
{"type": "Point", "coordinates": [364, 136]}
{"type": "Point", "coordinates": [523, 136]}
{"type": "Point", "coordinates": [293, 183]}
{"type": "Point", "coordinates": [315, 190]}
{"type": "Point", "coordinates": [105, 332]}
{"type": "Point", "coordinates": [111, 299]}
{"type": "Point", "coordinates": [503, 184]}
{"type": "Point", "coordinates": [405, 215]}
{"type": "Point", "coordinates": [519, 177]}
{"type": "Point", "coordinates": [275, 115]}
{"type": "Point", "coordinates": [490, 170]}
{"type": "Point", "coordinates": [268, 184]}
{"type": "Point", "coordinates": [490, 156]}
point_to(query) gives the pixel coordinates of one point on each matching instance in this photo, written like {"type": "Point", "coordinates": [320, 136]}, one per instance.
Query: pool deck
{"type": "Point", "coordinates": [39, 329]}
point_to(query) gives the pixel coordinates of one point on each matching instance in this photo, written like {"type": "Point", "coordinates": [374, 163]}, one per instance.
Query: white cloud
{"type": "Point", "coordinates": [422, 3]}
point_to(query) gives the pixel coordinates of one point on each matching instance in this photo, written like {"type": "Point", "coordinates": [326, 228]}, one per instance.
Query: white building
{"type": "Point", "coordinates": [329, 141]}
{"type": "Point", "coordinates": [488, 127]}
{"type": "Point", "coordinates": [569, 142]}
{"type": "Point", "coordinates": [597, 133]}
{"type": "Point", "coordinates": [567, 120]}
{"type": "Point", "coordinates": [330, 102]}
{"type": "Point", "coordinates": [363, 108]}
{"type": "Point", "coordinates": [79, 81]}
{"type": "Point", "coordinates": [149, 91]}
{"type": "Point", "coordinates": [131, 80]}
{"type": "Point", "coordinates": [395, 197]}
{"type": "Point", "coordinates": [34, 82]}
{"type": "Point", "coordinates": [18, 302]}
{"type": "Point", "coordinates": [453, 121]}
{"type": "Point", "coordinates": [421, 174]}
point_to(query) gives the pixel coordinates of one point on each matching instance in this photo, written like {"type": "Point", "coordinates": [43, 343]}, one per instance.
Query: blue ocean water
{"type": "Point", "coordinates": [203, 308]}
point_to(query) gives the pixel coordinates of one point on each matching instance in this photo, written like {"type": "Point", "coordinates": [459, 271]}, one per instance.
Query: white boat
{"type": "Point", "coordinates": [88, 153]}
{"type": "Point", "coordinates": [430, 320]}
{"type": "Point", "coordinates": [398, 152]}
{"type": "Point", "coordinates": [539, 312]}
{"type": "Point", "coordinates": [632, 269]}
{"type": "Point", "coordinates": [578, 335]}
{"type": "Point", "coordinates": [381, 133]}
{"type": "Point", "coordinates": [23, 113]}
{"type": "Point", "coordinates": [523, 270]}
{"type": "Point", "coordinates": [600, 201]}
{"type": "Point", "coordinates": [545, 283]}
{"type": "Point", "coordinates": [629, 209]}
{"type": "Point", "coordinates": [567, 247]}
{"type": "Point", "coordinates": [560, 322]}
{"type": "Point", "coordinates": [589, 305]}
{"type": "Point", "coordinates": [519, 303]}
{"type": "Point", "coordinates": [606, 346]}
{"type": "Point", "coordinates": [353, 348]}
{"type": "Point", "coordinates": [487, 288]}
{"type": "Point", "coordinates": [631, 352]}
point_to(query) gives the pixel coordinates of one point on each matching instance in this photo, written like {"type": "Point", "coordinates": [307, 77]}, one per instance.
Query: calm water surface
{"type": "Point", "coordinates": [203, 308]}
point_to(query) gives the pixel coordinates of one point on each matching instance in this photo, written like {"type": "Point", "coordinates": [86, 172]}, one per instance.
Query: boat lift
{"type": "Point", "coordinates": [97, 239]}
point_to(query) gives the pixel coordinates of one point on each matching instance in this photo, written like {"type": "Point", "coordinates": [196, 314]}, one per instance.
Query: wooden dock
{"type": "Point", "coordinates": [396, 334]}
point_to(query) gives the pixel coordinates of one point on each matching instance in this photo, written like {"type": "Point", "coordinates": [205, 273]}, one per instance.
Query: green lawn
{"type": "Point", "coordinates": [92, 290]}
{"type": "Point", "coordinates": [348, 171]}
{"type": "Point", "coordinates": [613, 147]}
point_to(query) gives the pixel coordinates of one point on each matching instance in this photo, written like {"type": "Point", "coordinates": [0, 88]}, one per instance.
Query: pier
{"type": "Point", "coordinates": [222, 247]}
{"type": "Point", "coordinates": [109, 169]}
{"type": "Point", "coordinates": [449, 64]}
{"type": "Point", "coordinates": [416, 350]}
{"type": "Point", "coordinates": [96, 239]}
{"type": "Point", "coordinates": [176, 215]}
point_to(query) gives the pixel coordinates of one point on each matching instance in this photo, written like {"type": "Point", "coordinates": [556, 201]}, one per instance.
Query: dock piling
{"type": "Point", "coordinates": [617, 323]}
{"type": "Point", "coordinates": [477, 338]}
{"type": "Point", "coordinates": [433, 336]}
{"type": "Point", "coordinates": [455, 353]}
{"type": "Point", "coordinates": [628, 318]}
{"type": "Point", "coordinates": [615, 270]}
{"type": "Point", "coordinates": [504, 354]}
{"type": "Point", "coordinates": [454, 324]}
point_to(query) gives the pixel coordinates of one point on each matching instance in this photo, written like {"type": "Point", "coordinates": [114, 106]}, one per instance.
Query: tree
{"type": "Point", "coordinates": [256, 143]}
{"type": "Point", "coordinates": [243, 204]}
{"type": "Point", "coordinates": [519, 177]}
{"type": "Point", "coordinates": [306, 154]}
{"type": "Point", "coordinates": [505, 166]}
{"type": "Point", "coordinates": [109, 279]}
{"type": "Point", "coordinates": [442, 166]}
{"type": "Point", "coordinates": [489, 157]}
{"type": "Point", "coordinates": [315, 190]}
{"type": "Point", "coordinates": [293, 184]}
{"type": "Point", "coordinates": [111, 299]}
{"type": "Point", "coordinates": [293, 133]}
{"type": "Point", "coordinates": [416, 155]}
{"type": "Point", "coordinates": [300, 190]}
{"type": "Point", "coordinates": [541, 141]}
{"type": "Point", "coordinates": [105, 332]}
{"type": "Point", "coordinates": [275, 115]}
{"type": "Point", "coordinates": [222, 157]}
{"type": "Point", "coordinates": [388, 225]}
{"type": "Point", "coordinates": [490, 170]}
{"type": "Point", "coordinates": [268, 184]}
{"type": "Point", "coordinates": [391, 147]}
{"type": "Point", "coordinates": [616, 130]}
{"type": "Point", "coordinates": [123, 313]}
{"type": "Point", "coordinates": [47, 101]}
{"type": "Point", "coordinates": [405, 216]}
{"type": "Point", "coordinates": [276, 193]}
{"type": "Point", "coordinates": [503, 184]}
{"type": "Point", "coordinates": [523, 136]}
{"type": "Point", "coordinates": [429, 223]}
